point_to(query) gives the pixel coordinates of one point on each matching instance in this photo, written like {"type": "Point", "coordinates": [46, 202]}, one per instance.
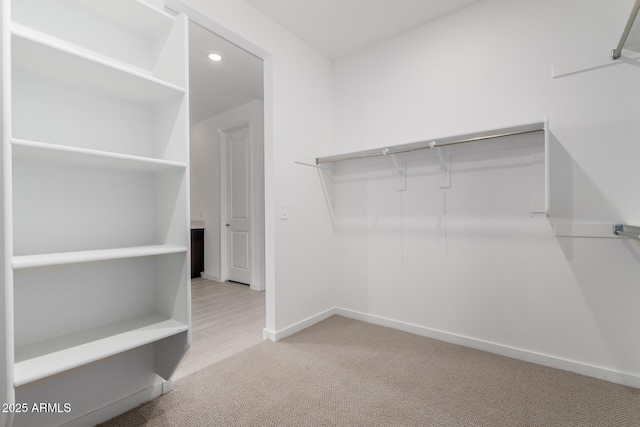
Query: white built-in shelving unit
{"type": "Point", "coordinates": [95, 161]}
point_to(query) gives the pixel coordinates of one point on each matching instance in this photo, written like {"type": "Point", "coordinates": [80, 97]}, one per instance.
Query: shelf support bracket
{"type": "Point", "coordinates": [327, 195]}
{"type": "Point", "coordinates": [400, 170]}
{"type": "Point", "coordinates": [443, 157]}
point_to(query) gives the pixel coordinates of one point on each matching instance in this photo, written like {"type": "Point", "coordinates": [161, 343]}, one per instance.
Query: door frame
{"type": "Point", "coordinates": [267, 279]}
{"type": "Point", "coordinates": [224, 202]}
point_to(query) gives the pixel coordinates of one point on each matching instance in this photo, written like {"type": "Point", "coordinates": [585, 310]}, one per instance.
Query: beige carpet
{"type": "Point", "coordinates": [342, 372]}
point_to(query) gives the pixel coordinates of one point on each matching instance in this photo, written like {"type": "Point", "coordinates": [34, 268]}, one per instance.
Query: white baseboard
{"type": "Point", "coordinates": [254, 287]}
{"type": "Point", "coordinates": [605, 374]}
{"type": "Point", "coordinates": [210, 277]}
{"type": "Point", "coordinates": [117, 408]}
{"type": "Point", "coordinates": [276, 336]}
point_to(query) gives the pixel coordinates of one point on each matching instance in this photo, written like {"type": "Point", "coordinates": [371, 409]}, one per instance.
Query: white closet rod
{"type": "Point", "coordinates": [432, 144]}
{"type": "Point", "coordinates": [627, 231]}
{"type": "Point", "coordinates": [615, 53]}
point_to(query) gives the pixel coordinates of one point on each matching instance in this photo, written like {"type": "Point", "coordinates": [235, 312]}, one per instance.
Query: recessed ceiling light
{"type": "Point", "coordinates": [216, 57]}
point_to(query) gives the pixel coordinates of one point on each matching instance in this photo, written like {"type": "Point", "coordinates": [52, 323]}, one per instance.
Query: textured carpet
{"type": "Point", "coordinates": [342, 372]}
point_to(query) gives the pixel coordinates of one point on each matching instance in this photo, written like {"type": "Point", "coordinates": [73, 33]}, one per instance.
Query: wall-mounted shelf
{"type": "Point", "coordinates": [95, 195]}
{"type": "Point", "coordinates": [43, 359]}
{"type": "Point", "coordinates": [36, 53]}
{"type": "Point", "coordinates": [630, 38]}
{"type": "Point", "coordinates": [533, 144]}
{"type": "Point", "coordinates": [44, 260]}
{"type": "Point", "coordinates": [121, 29]}
{"type": "Point", "coordinates": [627, 50]}
{"type": "Point", "coordinates": [91, 158]}
{"type": "Point", "coordinates": [596, 230]}
{"type": "Point", "coordinates": [436, 142]}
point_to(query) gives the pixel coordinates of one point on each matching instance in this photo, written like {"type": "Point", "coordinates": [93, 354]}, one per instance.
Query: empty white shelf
{"type": "Point", "coordinates": [47, 56]}
{"type": "Point", "coordinates": [131, 14]}
{"type": "Point", "coordinates": [97, 162]}
{"type": "Point", "coordinates": [92, 158]}
{"type": "Point", "coordinates": [138, 15]}
{"type": "Point", "coordinates": [43, 260]}
{"type": "Point", "coordinates": [43, 359]}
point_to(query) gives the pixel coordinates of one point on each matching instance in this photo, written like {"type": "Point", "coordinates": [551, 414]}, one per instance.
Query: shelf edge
{"type": "Point", "coordinates": [443, 140]}
{"type": "Point", "coordinates": [17, 142]}
{"type": "Point", "coordinates": [68, 48]}
{"type": "Point", "coordinates": [169, 328]}
{"type": "Point", "coordinates": [62, 258]}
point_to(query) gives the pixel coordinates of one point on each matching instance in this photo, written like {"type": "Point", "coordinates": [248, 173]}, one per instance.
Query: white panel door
{"type": "Point", "coordinates": [239, 204]}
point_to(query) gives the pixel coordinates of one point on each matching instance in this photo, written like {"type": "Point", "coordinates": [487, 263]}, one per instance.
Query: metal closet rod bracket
{"type": "Point", "coordinates": [615, 53]}
{"type": "Point", "coordinates": [627, 231]}
{"type": "Point", "coordinates": [400, 170]}
{"type": "Point", "coordinates": [443, 163]}
{"type": "Point", "coordinates": [445, 177]}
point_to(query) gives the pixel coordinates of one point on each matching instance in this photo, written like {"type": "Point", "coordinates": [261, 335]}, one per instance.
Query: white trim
{"type": "Point", "coordinates": [268, 335]}
{"type": "Point", "coordinates": [179, 6]}
{"type": "Point", "coordinates": [210, 277]}
{"type": "Point", "coordinates": [7, 359]}
{"type": "Point", "coordinates": [605, 374]}
{"type": "Point", "coordinates": [223, 248]}
{"type": "Point", "coordinates": [118, 407]}
{"type": "Point", "coordinates": [167, 386]}
{"type": "Point", "coordinates": [267, 66]}
{"type": "Point", "coordinates": [256, 287]}
{"type": "Point", "coordinates": [276, 336]}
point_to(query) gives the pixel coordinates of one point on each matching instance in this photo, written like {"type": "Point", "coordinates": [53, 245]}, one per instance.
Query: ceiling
{"type": "Point", "coordinates": [337, 28]}
{"type": "Point", "coordinates": [216, 87]}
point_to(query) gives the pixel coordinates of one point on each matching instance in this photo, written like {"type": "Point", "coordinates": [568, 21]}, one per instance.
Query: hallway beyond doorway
{"type": "Point", "coordinates": [227, 318]}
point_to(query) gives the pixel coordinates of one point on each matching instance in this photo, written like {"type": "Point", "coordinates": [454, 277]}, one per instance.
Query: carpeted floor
{"type": "Point", "coordinates": [342, 372]}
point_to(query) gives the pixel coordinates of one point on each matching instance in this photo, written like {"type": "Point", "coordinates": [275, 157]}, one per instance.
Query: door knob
{"type": "Point", "coordinates": [227, 225]}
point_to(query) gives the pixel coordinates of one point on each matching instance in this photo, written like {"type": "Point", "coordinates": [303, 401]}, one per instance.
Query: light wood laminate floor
{"type": "Point", "coordinates": [226, 318]}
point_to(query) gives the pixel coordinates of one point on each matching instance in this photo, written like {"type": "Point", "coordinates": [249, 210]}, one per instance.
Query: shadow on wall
{"type": "Point", "coordinates": [606, 269]}
{"type": "Point", "coordinates": [574, 197]}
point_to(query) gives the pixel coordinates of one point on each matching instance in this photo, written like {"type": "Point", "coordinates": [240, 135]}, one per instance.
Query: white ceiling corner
{"type": "Point", "coordinates": [337, 28]}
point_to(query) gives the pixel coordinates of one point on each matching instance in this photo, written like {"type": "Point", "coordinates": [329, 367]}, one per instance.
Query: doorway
{"type": "Point", "coordinates": [227, 146]}
{"type": "Point", "coordinates": [227, 157]}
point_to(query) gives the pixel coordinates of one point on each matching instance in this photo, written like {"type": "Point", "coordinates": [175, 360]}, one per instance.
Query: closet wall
{"type": "Point", "coordinates": [471, 263]}
{"type": "Point", "coordinates": [500, 279]}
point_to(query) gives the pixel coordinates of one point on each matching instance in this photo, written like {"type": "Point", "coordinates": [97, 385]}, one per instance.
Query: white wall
{"type": "Point", "coordinates": [156, 3]}
{"type": "Point", "coordinates": [298, 120]}
{"type": "Point", "coordinates": [502, 281]}
{"type": "Point", "coordinates": [206, 181]}
{"type": "Point", "coordinates": [563, 301]}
